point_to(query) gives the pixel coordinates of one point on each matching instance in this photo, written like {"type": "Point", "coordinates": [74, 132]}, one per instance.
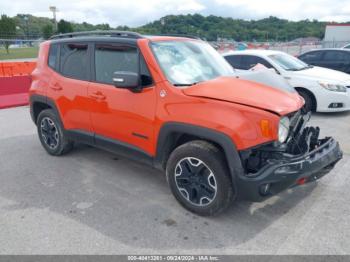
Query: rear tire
{"type": "Point", "coordinates": [51, 134]}
{"type": "Point", "coordinates": [309, 103]}
{"type": "Point", "coordinates": [199, 178]}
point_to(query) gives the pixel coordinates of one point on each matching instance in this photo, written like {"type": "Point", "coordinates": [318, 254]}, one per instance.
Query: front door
{"type": "Point", "coordinates": [120, 115]}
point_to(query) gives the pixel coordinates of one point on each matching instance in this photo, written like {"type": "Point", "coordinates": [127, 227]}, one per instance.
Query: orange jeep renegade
{"type": "Point", "coordinates": [175, 104]}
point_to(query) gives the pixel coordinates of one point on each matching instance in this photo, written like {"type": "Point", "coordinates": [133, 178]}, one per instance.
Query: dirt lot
{"type": "Point", "coordinates": [92, 202]}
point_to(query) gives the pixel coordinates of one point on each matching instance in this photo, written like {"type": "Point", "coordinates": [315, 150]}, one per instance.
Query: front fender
{"type": "Point", "coordinates": [166, 139]}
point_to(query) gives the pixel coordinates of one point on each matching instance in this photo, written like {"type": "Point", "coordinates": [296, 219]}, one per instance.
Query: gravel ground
{"type": "Point", "coordinates": [92, 202]}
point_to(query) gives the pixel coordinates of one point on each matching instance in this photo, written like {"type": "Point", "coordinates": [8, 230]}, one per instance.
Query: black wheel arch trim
{"type": "Point", "coordinates": [308, 91]}
{"type": "Point", "coordinates": [43, 100]}
{"type": "Point", "coordinates": [167, 135]}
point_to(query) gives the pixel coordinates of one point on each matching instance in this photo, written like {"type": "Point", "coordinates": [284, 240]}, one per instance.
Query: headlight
{"type": "Point", "coordinates": [333, 87]}
{"type": "Point", "coordinates": [283, 129]}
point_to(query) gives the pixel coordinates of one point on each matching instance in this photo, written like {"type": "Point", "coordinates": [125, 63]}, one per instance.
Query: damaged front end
{"type": "Point", "coordinates": [274, 167]}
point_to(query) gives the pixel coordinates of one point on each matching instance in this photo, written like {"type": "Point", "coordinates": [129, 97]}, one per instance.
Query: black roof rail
{"type": "Point", "coordinates": [181, 35]}
{"type": "Point", "coordinates": [111, 33]}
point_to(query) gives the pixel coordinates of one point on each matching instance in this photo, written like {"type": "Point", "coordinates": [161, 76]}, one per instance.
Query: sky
{"type": "Point", "coordinates": [138, 12]}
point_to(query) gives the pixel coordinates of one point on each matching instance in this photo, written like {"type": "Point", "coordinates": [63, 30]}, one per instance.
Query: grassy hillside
{"type": "Point", "coordinates": [213, 27]}
{"type": "Point", "coordinates": [17, 53]}
{"type": "Point", "coordinates": [209, 27]}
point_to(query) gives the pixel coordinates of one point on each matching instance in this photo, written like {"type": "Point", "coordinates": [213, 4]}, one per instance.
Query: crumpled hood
{"type": "Point", "coordinates": [235, 90]}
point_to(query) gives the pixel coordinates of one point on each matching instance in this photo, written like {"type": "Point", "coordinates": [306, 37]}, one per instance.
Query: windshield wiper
{"type": "Point", "coordinates": [308, 66]}
{"type": "Point", "coordinates": [186, 84]}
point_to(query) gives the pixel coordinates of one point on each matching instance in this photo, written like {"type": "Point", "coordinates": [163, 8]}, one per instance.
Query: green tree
{"type": "Point", "coordinates": [64, 27]}
{"type": "Point", "coordinates": [47, 31]}
{"type": "Point", "coordinates": [211, 27]}
{"type": "Point", "coordinates": [7, 30]}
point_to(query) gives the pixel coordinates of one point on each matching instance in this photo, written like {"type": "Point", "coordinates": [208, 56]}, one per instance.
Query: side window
{"type": "Point", "coordinates": [74, 60]}
{"type": "Point", "coordinates": [110, 58]}
{"type": "Point", "coordinates": [53, 57]}
{"type": "Point", "coordinates": [311, 57]}
{"type": "Point", "coordinates": [250, 61]}
{"type": "Point", "coordinates": [234, 61]}
{"type": "Point", "coordinates": [262, 61]}
{"type": "Point", "coordinates": [334, 56]}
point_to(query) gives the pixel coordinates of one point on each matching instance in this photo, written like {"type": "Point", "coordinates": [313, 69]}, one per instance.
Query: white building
{"type": "Point", "coordinates": [337, 35]}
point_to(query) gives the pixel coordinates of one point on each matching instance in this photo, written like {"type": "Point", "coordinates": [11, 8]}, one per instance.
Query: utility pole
{"type": "Point", "coordinates": [54, 9]}
{"type": "Point", "coordinates": [25, 18]}
{"type": "Point", "coordinates": [162, 22]}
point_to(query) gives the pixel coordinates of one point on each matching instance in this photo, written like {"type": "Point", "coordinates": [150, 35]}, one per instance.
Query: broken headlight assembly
{"type": "Point", "coordinates": [283, 129]}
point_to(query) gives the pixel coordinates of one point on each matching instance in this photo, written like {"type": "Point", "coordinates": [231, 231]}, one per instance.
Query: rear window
{"type": "Point", "coordinates": [53, 57]}
{"type": "Point", "coordinates": [250, 61]}
{"type": "Point", "coordinates": [74, 60]}
{"type": "Point", "coordinates": [246, 62]}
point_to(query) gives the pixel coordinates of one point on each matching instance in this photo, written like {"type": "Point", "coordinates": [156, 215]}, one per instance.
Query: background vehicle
{"type": "Point", "coordinates": [265, 76]}
{"type": "Point", "coordinates": [335, 58]}
{"type": "Point", "coordinates": [173, 103]}
{"type": "Point", "coordinates": [324, 90]}
{"type": "Point", "coordinates": [347, 46]}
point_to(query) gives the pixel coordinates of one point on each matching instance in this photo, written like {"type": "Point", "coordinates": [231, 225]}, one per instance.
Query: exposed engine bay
{"type": "Point", "coordinates": [301, 140]}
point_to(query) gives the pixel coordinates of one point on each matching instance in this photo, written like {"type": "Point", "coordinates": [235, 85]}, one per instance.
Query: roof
{"type": "Point", "coordinates": [253, 52]}
{"type": "Point", "coordinates": [339, 49]}
{"type": "Point", "coordinates": [337, 32]}
{"type": "Point", "coordinates": [338, 24]}
{"type": "Point", "coordinates": [326, 49]}
{"type": "Point", "coordinates": [112, 34]}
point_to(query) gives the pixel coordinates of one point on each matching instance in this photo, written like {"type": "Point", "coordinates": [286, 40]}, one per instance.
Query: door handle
{"type": "Point", "coordinates": [98, 96]}
{"type": "Point", "coordinates": [56, 87]}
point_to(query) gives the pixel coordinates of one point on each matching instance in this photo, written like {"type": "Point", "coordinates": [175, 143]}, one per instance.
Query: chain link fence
{"type": "Point", "coordinates": [293, 48]}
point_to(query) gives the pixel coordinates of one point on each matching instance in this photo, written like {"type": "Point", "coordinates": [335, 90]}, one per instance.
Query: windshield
{"type": "Point", "coordinates": [288, 62]}
{"type": "Point", "coordinates": [188, 62]}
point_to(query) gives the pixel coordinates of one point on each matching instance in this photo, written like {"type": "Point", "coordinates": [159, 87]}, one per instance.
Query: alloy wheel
{"type": "Point", "coordinates": [195, 181]}
{"type": "Point", "coordinates": [49, 133]}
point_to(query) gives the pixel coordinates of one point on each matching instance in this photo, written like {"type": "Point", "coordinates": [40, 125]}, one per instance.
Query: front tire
{"type": "Point", "coordinates": [199, 179]}
{"type": "Point", "coordinates": [309, 103]}
{"type": "Point", "coordinates": [51, 134]}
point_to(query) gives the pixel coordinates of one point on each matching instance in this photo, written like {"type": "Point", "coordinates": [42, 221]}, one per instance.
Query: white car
{"type": "Point", "coordinates": [324, 90]}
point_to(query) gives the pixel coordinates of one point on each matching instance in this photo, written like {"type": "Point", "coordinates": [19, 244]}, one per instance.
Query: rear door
{"type": "Point", "coordinates": [346, 62]}
{"type": "Point", "coordinates": [69, 83]}
{"type": "Point", "coordinates": [335, 59]}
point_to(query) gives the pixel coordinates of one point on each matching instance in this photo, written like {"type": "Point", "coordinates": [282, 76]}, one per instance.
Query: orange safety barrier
{"type": "Point", "coordinates": [8, 69]}
{"type": "Point", "coordinates": [15, 82]}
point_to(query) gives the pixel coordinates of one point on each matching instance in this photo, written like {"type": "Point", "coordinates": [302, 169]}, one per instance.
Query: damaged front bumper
{"type": "Point", "coordinates": [272, 169]}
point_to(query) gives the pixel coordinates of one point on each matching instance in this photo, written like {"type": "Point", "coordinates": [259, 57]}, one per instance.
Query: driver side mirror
{"type": "Point", "coordinates": [128, 80]}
